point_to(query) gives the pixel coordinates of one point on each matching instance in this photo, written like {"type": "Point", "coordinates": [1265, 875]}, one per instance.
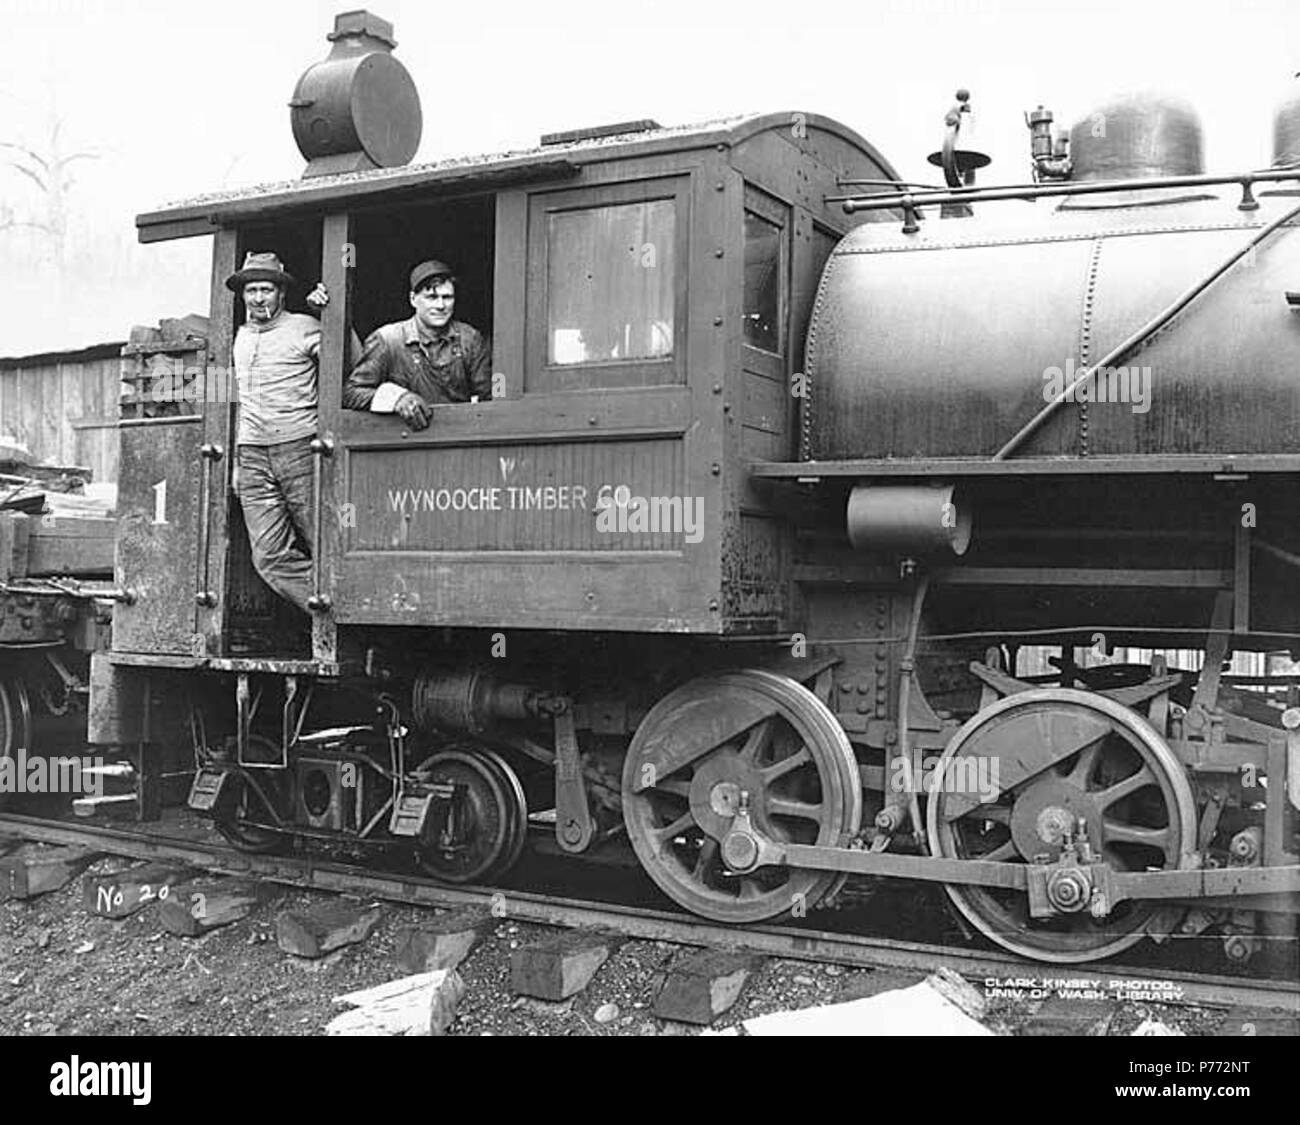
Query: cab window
{"type": "Point", "coordinates": [767, 267]}
{"type": "Point", "coordinates": [762, 313]}
{"type": "Point", "coordinates": [610, 283]}
{"type": "Point", "coordinates": [606, 300]}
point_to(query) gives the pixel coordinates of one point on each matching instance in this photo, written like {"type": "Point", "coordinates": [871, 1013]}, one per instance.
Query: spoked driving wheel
{"type": "Point", "coordinates": [15, 729]}
{"type": "Point", "coordinates": [694, 755]}
{"type": "Point", "coordinates": [1059, 757]}
{"type": "Point", "coordinates": [480, 832]}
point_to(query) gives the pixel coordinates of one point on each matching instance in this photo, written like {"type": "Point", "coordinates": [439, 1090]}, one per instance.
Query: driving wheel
{"type": "Point", "coordinates": [751, 736]}
{"type": "Point", "coordinates": [1058, 759]}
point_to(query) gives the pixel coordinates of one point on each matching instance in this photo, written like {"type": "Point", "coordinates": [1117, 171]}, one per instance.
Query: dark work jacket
{"type": "Point", "coordinates": [448, 368]}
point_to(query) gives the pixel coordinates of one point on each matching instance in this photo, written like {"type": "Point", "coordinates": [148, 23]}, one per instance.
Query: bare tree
{"type": "Point", "coordinates": [47, 167]}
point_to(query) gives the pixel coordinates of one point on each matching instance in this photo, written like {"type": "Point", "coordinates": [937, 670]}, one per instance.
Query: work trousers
{"type": "Point", "coordinates": [274, 487]}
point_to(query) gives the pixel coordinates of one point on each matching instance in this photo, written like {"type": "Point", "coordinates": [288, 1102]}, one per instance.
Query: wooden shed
{"type": "Point", "coordinates": [63, 406]}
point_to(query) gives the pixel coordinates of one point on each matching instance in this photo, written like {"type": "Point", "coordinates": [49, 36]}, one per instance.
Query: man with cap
{"type": "Point", "coordinates": [410, 365]}
{"type": "Point", "coordinates": [276, 358]}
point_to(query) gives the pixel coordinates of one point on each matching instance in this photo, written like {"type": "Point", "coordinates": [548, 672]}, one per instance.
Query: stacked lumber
{"type": "Point", "coordinates": [169, 330]}
{"type": "Point", "coordinates": [53, 522]}
{"type": "Point", "coordinates": [77, 546]}
{"type": "Point", "coordinates": [17, 469]}
{"type": "Point", "coordinates": [48, 546]}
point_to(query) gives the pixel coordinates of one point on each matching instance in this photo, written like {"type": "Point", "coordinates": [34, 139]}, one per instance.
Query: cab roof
{"type": "Point", "coordinates": [203, 214]}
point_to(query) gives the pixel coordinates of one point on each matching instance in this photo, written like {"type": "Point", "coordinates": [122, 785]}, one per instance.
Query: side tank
{"type": "Point", "coordinates": [945, 342]}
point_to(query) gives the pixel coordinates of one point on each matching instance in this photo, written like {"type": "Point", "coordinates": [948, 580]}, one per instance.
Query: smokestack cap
{"type": "Point", "coordinates": [361, 22]}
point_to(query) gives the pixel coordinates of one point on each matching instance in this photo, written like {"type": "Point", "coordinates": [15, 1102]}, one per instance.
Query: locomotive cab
{"type": "Point", "coordinates": [646, 296]}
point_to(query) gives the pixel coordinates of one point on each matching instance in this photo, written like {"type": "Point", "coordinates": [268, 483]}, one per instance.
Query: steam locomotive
{"type": "Point", "coordinates": [802, 497]}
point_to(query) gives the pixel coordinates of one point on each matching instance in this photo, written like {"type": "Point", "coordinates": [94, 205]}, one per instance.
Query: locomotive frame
{"type": "Point", "coordinates": [665, 687]}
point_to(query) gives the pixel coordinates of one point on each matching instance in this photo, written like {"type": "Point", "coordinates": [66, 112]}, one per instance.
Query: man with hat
{"type": "Point", "coordinates": [410, 365]}
{"type": "Point", "coordinates": [276, 357]}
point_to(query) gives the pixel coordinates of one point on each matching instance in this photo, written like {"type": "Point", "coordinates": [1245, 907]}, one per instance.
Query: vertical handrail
{"type": "Point", "coordinates": [321, 447]}
{"type": "Point", "coordinates": [211, 453]}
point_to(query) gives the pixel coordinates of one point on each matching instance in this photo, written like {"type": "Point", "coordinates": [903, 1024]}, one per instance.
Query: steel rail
{"type": "Point", "coordinates": [790, 942]}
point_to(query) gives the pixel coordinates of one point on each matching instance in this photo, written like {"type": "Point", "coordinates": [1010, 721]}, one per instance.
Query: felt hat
{"type": "Point", "coordinates": [259, 267]}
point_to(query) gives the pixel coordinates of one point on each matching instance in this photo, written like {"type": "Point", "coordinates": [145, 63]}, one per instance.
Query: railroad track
{"type": "Point", "coordinates": [785, 941]}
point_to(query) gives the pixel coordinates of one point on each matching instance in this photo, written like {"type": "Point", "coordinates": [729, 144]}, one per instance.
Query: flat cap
{"type": "Point", "coordinates": [426, 270]}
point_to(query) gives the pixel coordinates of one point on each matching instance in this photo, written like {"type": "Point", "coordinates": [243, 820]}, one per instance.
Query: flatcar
{"type": "Point", "coordinates": [781, 547]}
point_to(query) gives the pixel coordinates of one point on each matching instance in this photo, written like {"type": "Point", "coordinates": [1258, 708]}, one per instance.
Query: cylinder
{"type": "Point", "coordinates": [908, 519]}
{"type": "Point", "coordinates": [469, 702]}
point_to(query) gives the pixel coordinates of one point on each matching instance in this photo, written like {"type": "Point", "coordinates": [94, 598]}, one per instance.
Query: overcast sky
{"type": "Point", "coordinates": [179, 98]}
